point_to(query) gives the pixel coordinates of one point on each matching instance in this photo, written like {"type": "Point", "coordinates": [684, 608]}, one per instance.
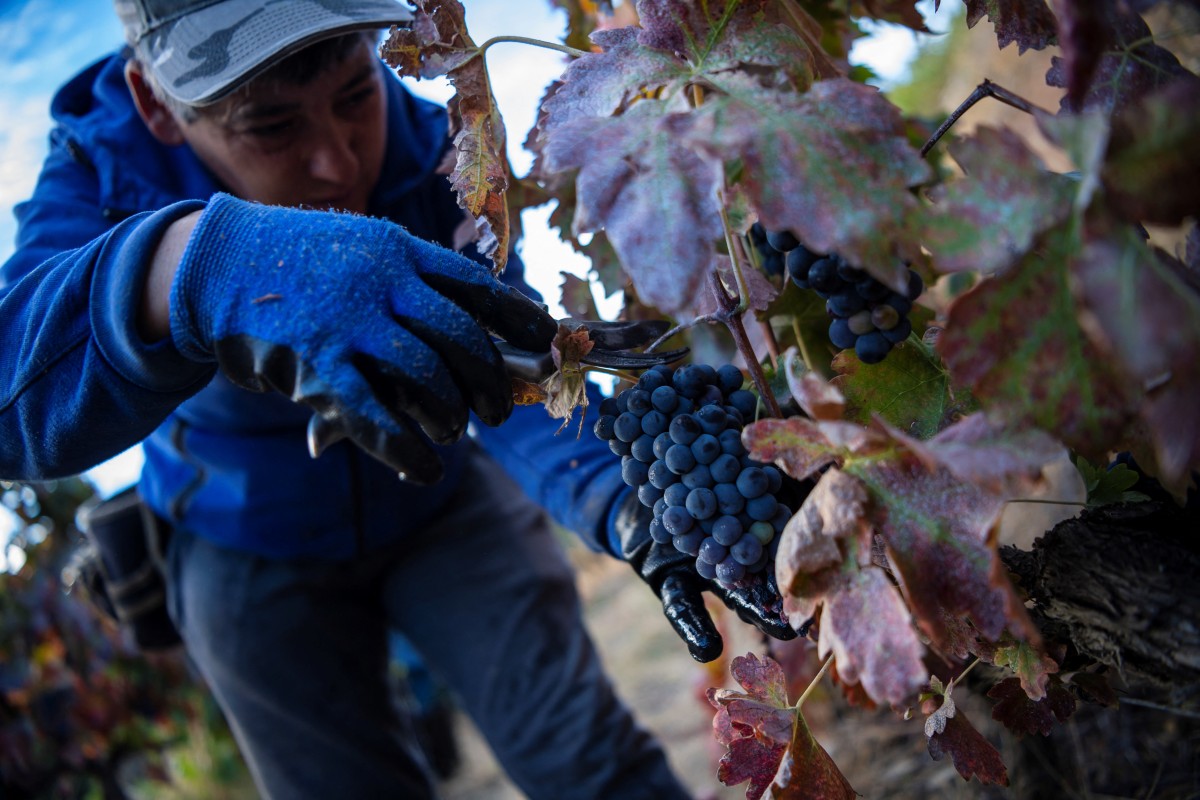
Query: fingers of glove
{"type": "Point", "coordinates": [758, 604]}
{"type": "Point", "coordinates": [683, 605]}
{"type": "Point", "coordinates": [404, 375]}
{"type": "Point", "coordinates": [470, 361]}
{"type": "Point", "coordinates": [498, 308]}
{"type": "Point", "coordinates": [398, 445]}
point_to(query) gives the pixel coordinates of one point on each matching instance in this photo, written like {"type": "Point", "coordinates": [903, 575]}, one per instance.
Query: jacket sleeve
{"type": "Point", "coordinates": [78, 385]}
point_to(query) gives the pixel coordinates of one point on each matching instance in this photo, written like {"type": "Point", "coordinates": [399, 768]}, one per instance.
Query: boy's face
{"type": "Point", "coordinates": [318, 145]}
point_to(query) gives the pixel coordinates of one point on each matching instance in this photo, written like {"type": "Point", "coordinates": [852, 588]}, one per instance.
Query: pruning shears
{"type": "Point", "coordinates": [613, 347]}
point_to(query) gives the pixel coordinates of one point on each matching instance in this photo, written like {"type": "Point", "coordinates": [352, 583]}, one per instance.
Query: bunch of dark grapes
{"type": "Point", "coordinates": [868, 315]}
{"type": "Point", "coordinates": [679, 435]}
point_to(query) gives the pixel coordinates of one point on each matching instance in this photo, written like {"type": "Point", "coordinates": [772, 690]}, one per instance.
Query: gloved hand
{"type": "Point", "coordinates": [376, 330]}
{"type": "Point", "coordinates": [673, 577]}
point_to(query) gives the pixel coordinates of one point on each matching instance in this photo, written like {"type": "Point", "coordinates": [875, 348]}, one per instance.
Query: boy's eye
{"type": "Point", "coordinates": [270, 129]}
{"type": "Point", "coordinates": [359, 96]}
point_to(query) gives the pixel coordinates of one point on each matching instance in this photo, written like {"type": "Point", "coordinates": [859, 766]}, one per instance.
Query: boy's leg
{"type": "Point", "coordinates": [488, 598]}
{"type": "Point", "coordinates": [296, 656]}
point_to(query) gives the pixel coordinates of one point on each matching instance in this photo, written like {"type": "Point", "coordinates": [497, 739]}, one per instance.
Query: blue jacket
{"type": "Point", "coordinates": [78, 385]}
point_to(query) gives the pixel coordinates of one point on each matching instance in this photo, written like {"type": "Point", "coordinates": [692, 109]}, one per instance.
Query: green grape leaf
{"type": "Point", "coordinates": [972, 755]}
{"type": "Point", "coordinates": [1015, 341]}
{"type": "Point", "coordinates": [1024, 716]}
{"type": "Point", "coordinates": [909, 389]}
{"type": "Point", "coordinates": [756, 725]}
{"type": "Point", "coordinates": [1141, 309]}
{"type": "Point", "coordinates": [801, 447]}
{"type": "Point", "coordinates": [437, 43]}
{"type": "Point", "coordinates": [1108, 486]}
{"type": "Point", "coordinates": [1029, 23]}
{"type": "Point", "coordinates": [1032, 666]}
{"type": "Point", "coordinates": [1004, 181]}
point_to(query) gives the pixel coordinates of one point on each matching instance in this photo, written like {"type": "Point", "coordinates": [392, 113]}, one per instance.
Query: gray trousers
{"type": "Point", "coordinates": [296, 654]}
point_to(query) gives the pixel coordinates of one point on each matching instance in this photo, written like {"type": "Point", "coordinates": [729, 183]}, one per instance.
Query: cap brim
{"type": "Point", "coordinates": [209, 53]}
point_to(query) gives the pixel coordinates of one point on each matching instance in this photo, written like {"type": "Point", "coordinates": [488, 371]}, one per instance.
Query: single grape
{"type": "Point", "coordinates": [684, 429]}
{"type": "Point", "coordinates": [619, 447]}
{"type": "Point", "coordinates": [661, 443]}
{"type": "Point", "coordinates": [783, 241]}
{"type": "Point", "coordinates": [752, 482]}
{"type": "Point", "coordinates": [840, 334]}
{"type": "Point", "coordinates": [627, 427]}
{"type": "Point", "coordinates": [604, 427]}
{"type": "Point", "coordinates": [701, 503]}
{"type": "Point", "coordinates": [884, 317]}
{"type": "Point", "coordinates": [762, 508]}
{"type": "Point", "coordinates": [705, 570]}
{"type": "Point", "coordinates": [774, 262]}
{"type": "Point", "coordinates": [712, 551]}
{"type": "Point", "coordinates": [872, 348]}
{"type": "Point", "coordinates": [689, 381]}
{"type": "Point", "coordinates": [871, 290]}
{"type": "Point", "coordinates": [664, 399]}
{"type": "Point", "coordinates": [731, 443]}
{"type": "Point", "coordinates": [660, 505]}
{"type": "Point", "coordinates": [649, 494]}
{"type": "Point", "coordinates": [725, 468]}
{"type": "Point", "coordinates": [774, 478]}
{"type": "Point", "coordinates": [706, 448]}
{"type": "Point", "coordinates": [676, 494]}
{"type": "Point", "coordinates": [747, 550]}
{"type": "Point", "coordinates": [712, 419]}
{"type": "Point", "coordinates": [899, 333]}
{"type": "Point", "coordinates": [822, 275]}
{"type": "Point", "coordinates": [730, 571]}
{"type": "Point", "coordinates": [729, 378]}
{"type": "Point", "coordinates": [689, 542]}
{"type": "Point", "coordinates": [859, 323]}
{"type": "Point", "coordinates": [915, 285]}
{"type": "Point", "coordinates": [847, 271]}
{"type": "Point", "coordinates": [698, 477]}
{"type": "Point", "coordinates": [845, 303]}
{"type": "Point", "coordinates": [799, 262]}
{"type": "Point", "coordinates": [744, 401]}
{"type": "Point", "coordinates": [899, 302]}
{"type": "Point", "coordinates": [729, 499]}
{"type": "Point", "coordinates": [677, 520]}
{"type": "Point", "coordinates": [679, 458]}
{"type": "Point", "coordinates": [638, 401]}
{"type": "Point", "coordinates": [659, 475]}
{"type": "Point", "coordinates": [727, 530]}
{"type": "Point", "coordinates": [658, 533]}
{"type": "Point", "coordinates": [608, 407]}
{"type": "Point", "coordinates": [763, 531]}
{"type": "Point", "coordinates": [651, 380]}
{"type": "Point", "coordinates": [642, 448]}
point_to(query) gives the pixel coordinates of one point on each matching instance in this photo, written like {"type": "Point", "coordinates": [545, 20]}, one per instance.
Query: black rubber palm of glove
{"type": "Point", "coordinates": [385, 336]}
{"type": "Point", "coordinates": [673, 577]}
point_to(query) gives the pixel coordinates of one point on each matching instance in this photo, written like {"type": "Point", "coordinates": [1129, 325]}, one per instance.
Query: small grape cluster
{"type": "Point", "coordinates": [868, 315]}
{"type": "Point", "coordinates": [679, 435]}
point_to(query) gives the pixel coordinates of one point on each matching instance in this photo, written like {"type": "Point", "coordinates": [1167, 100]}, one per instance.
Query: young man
{"type": "Point", "coordinates": [222, 211]}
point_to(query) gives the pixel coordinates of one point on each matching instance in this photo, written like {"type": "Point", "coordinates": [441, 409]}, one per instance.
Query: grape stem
{"type": "Point", "coordinates": [813, 683]}
{"type": "Point", "coordinates": [733, 321]}
{"type": "Point", "coordinates": [985, 89]}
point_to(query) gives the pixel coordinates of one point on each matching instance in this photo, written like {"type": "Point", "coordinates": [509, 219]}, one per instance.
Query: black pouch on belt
{"type": "Point", "coordinates": [123, 568]}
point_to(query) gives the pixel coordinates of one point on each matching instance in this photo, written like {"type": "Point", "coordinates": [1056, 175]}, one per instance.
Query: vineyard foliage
{"type": "Point", "coordinates": [1053, 321]}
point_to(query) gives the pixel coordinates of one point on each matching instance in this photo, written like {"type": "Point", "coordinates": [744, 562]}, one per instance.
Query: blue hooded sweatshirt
{"type": "Point", "coordinates": [78, 384]}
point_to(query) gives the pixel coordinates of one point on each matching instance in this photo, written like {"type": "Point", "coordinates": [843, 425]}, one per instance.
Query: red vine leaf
{"type": "Point", "coordinates": [971, 754]}
{"type": "Point", "coordinates": [832, 165]}
{"type": "Point", "coordinates": [1023, 716]}
{"type": "Point", "coordinates": [834, 510]}
{"type": "Point", "coordinates": [1141, 308]}
{"type": "Point", "coordinates": [755, 725]}
{"type": "Point", "coordinates": [1131, 67]}
{"type": "Point", "coordinates": [437, 43]}
{"type": "Point", "coordinates": [1004, 181]}
{"type": "Point", "coordinates": [1016, 342]}
{"type": "Point", "coordinates": [1029, 23]}
{"type": "Point", "coordinates": [807, 771]}
{"type": "Point", "coordinates": [867, 627]}
{"type": "Point", "coordinates": [939, 536]}
{"type": "Point", "coordinates": [818, 398]}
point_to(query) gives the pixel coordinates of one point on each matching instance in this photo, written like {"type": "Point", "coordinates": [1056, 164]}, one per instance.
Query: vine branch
{"type": "Point", "coordinates": [985, 89]}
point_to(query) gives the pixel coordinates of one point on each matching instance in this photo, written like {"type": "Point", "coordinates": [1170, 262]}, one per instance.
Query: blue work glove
{"type": "Point", "coordinates": [672, 576]}
{"type": "Point", "coordinates": [382, 334]}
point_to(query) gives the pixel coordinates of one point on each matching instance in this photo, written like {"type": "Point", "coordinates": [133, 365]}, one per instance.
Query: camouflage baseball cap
{"type": "Point", "coordinates": [201, 50]}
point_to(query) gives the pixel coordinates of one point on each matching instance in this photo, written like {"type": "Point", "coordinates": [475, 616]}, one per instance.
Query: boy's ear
{"type": "Point", "coordinates": [158, 118]}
